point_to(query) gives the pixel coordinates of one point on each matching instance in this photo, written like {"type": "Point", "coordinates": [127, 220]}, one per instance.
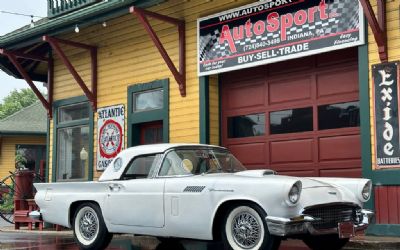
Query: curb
{"type": "Point", "coordinates": [44, 232]}
{"type": "Point", "coordinates": [372, 242]}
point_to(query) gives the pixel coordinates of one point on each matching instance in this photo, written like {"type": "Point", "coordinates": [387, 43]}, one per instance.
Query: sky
{"type": "Point", "coordinates": [10, 23]}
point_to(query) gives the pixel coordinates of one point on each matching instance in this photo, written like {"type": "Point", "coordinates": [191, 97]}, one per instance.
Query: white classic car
{"type": "Point", "coordinates": [204, 192]}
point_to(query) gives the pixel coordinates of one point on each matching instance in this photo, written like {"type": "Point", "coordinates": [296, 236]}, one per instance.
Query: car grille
{"type": "Point", "coordinates": [330, 216]}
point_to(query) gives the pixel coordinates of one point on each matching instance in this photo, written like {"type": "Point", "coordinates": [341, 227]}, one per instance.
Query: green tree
{"type": "Point", "coordinates": [16, 101]}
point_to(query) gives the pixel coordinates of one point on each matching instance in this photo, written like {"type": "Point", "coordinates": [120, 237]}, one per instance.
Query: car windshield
{"type": "Point", "coordinates": [199, 161]}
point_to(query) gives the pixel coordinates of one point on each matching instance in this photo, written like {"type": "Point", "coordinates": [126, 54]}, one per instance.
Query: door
{"type": "Point", "coordinates": [299, 117]}
{"type": "Point", "coordinates": [151, 132]}
{"type": "Point", "coordinates": [136, 200]}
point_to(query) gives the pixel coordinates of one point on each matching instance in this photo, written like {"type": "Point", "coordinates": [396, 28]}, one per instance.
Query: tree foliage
{"type": "Point", "coordinates": [16, 101]}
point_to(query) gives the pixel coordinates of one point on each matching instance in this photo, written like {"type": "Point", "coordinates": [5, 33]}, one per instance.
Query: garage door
{"type": "Point", "coordinates": [299, 117]}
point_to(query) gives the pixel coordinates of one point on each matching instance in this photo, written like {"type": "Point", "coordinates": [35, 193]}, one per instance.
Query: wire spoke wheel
{"type": "Point", "coordinates": [10, 191]}
{"type": "Point", "coordinates": [7, 191]}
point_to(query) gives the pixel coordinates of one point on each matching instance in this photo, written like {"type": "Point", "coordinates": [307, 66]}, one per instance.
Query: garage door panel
{"type": "Point", "coordinates": [292, 151]}
{"type": "Point", "coordinates": [299, 173]}
{"type": "Point", "coordinates": [346, 55]}
{"type": "Point", "coordinates": [291, 66]}
{"type": "Point", "coordinates": [323, 87]}
{"type": "Point", "coordinates": [336, 83]}
{"type": "Point", "coordinates": [239, 97]}
{"type": "Point", "coordinates": [290, 90]}
{"type": "Point", "coordinates": [347, 172]}
{"type": "Point", "coordinates": [339, 148]}
{"type": "Point", "coordinates": [250, 154]}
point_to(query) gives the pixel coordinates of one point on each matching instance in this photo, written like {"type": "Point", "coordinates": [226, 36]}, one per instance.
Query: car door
{"type": "Point", "coordinates": [137, 200]}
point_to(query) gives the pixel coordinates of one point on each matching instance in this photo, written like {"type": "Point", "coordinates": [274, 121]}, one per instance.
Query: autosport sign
{"type": "Point", "coordinates": [110, 133]}
{"type": "Point", "coordinates": [386, 106]}
{"type": "Point", "coordinates": [276, 30]}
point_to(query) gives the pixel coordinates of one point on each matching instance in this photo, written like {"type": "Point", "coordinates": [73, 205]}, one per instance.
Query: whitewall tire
{"type": "Point", "coordinates": [245, 228]}
{"type": "Point", "coordinates": [90, 231]}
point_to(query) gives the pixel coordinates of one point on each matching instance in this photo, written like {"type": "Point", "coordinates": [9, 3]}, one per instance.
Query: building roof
{"type": "Point", "coordinates": [31, 120]}
{"type": "Point", "coordinates": [29, 39]}
{"type": "Point", "coordinates": [89, 15]}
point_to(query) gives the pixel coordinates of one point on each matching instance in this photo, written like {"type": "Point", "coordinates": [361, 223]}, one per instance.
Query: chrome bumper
{"type": "Point", "coordinates": [36, 215]}
{"type": "Point", "coordinates": [302, 224]}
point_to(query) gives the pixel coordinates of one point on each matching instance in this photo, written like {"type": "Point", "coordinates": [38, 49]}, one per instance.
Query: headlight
{"type": "Point", "coordinates": [294, 193]}
{"type": "Point", "coordinates": [366, 191]}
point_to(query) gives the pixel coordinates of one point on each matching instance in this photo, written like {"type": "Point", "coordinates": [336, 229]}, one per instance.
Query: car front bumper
{"type": "Point", "coordinates": [302, 224]}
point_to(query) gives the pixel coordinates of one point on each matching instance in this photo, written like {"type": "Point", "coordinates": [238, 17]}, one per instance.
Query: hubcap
{"type": "Point", "coordinates": [246, 230]}
{"type": "Point", "coordinates": [88, 225]}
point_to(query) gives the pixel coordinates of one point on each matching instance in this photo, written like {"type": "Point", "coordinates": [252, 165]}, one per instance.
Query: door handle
{"type": "Point", "coordinates": [114, 187]}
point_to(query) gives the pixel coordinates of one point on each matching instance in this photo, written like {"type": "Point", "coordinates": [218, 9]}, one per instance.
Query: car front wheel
{"type": "Point", "coordinates": [89, 228]}
{"type": "Point", "coordinates": [325, 242]}
{"type": "Point", "coordinates": [245, 228]}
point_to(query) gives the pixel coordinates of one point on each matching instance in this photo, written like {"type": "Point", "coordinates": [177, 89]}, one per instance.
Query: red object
{"type": "Point", "coordinates": [21, 216]}
{"type": "Point", "coordinates": [309, 82]}
{"type": "Point", "coordinates": [378, 26]}
{"type": "Point", "coordinates": [23, 200]}
{"type": "Point", "coordinates": [387, 204]}
{"type": "Point", "coordinates": [151, 133]}
{"type": "Point", "coordinates": [23, 185]}
{"type": "Point", "coordinates": [55, 44]}
{"type": "Point", "coordinates": [119, 134]}
{"type": "Point", "coordinates": [13, 57]}
{"type": "Point", "coordinates": [180, 76]}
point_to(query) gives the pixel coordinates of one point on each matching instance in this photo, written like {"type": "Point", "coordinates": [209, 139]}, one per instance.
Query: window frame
{"type": "Point", "coordinates": [337, 103]}
{"type": "Point", "coordinates": [135, 119]}
{"type": "Point", "coordinates": [137, 93]}
{"type": "Point", "coordinates": [245, 115]}
{"type": "Point", "coordinates": [311, 108]}
{"type": "Point", "coordinates": [128, 165]}
{"type": "Point", "coordinates": [71, 124]}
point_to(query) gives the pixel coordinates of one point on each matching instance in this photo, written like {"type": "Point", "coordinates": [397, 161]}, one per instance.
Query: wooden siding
{"type": "Point", "coordinates": [393, 34]}
{"type": "Point", "coordinates": [387, 204]}
{"type": "Point", "coordinates": [127, 56]}
{"type": "Point", "coordinates": [8, 144]}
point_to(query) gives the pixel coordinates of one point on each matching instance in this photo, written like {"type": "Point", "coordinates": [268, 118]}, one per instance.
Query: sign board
{"type": "Point", "coordinates": [386, 107]}
{"type": "Point", "coordinates": [110, 133]}
{"type": "Point", "coordinates": [276, 30]}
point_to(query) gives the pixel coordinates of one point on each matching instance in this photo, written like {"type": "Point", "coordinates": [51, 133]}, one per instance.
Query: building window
{"type": "Point", "coordinates": [148, 113]}
{"type": "Point", "coordinates": [73, 142]}
{"type": "Point", "coordinates": [148, 100]}
{"type": "Point", "coordinates": [291, 121]}
{"type": "Point", "coordinates": [339, 115]}
{"type": "Point", "coordinates": [73, 112]}
{"type": "Point", "coordinates": [31, 157]}
{"type": "Point", "coordinates": [246, 125]}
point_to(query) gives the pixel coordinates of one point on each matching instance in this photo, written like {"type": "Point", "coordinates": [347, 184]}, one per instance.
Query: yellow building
{"type": "Point", "coordinates": [23, 133]}
{"type": "Point", "coordinates": [282, 85]}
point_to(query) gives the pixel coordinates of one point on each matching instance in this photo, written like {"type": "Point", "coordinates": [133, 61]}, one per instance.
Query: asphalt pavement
{"type": "Point", "coordinates": [49, 240]}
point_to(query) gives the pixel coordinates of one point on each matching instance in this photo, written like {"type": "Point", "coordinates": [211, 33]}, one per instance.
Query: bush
{"type": "Point", "coordinates": [7, 203]}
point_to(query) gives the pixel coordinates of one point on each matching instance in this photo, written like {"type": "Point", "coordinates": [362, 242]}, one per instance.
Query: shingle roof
{"type": "Point", "coordinates": [29, 120]}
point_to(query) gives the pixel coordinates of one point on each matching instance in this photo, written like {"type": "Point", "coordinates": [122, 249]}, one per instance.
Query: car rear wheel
{"type": "Point", "coordinates": [325, 242]}
{"type": "Point", "coordinates": [245, 228]}
{"type": "Point", "coordinates": [89, 228]}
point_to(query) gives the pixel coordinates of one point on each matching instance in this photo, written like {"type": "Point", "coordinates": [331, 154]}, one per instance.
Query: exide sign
{"type": "Point", "coordinates": [271, 31]}
{"type": "Point", "coordinates": [386, 106]}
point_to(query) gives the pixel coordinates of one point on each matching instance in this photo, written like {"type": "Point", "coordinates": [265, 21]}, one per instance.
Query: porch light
{"type": "Point", "coordinates": [76, 28]}
{"type": "Point", "coordinates": [84, 154]}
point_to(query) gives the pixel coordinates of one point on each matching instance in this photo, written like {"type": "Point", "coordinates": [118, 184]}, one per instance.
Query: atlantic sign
{"type": "Point", "coordinates": [110, 124]}
{"type": "Point", "coordinates": [276, 30]}
{"type": "Point", "coordinates": [386, 107]}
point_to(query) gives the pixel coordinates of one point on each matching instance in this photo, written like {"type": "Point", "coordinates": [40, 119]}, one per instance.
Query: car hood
{"type": "Point", "coordinates": [315, 191]}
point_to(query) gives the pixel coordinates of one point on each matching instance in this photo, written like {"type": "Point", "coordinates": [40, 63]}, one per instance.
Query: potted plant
{"type": "Point", "coordinates": [20, 161]}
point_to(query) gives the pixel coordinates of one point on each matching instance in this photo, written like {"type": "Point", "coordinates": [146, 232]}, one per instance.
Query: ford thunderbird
{"type": "Point", "coordinates": [204, 192]}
